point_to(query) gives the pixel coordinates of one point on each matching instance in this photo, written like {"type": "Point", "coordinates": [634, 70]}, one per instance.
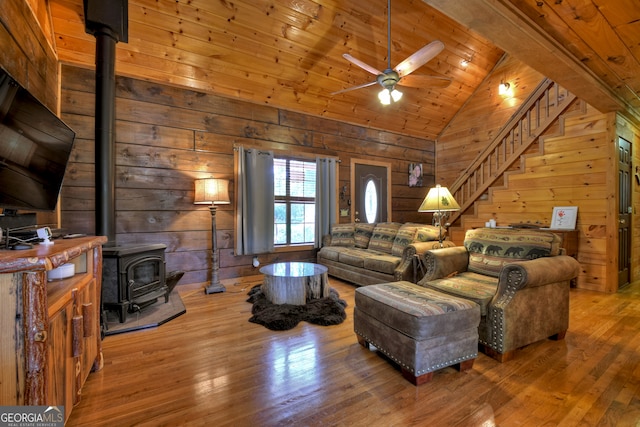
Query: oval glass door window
{"type": "Point", "coordinates": [371, 201]}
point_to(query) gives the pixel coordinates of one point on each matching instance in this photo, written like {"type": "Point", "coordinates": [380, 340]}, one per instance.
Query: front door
{"type": "Point", "coordinates": [624, 211]}
{"type": "Point", "coordinates": [370, 183]}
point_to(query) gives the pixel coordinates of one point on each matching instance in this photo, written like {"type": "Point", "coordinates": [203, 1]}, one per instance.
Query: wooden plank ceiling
{"type": "Point", "coordinates": [288, 53]}
{"type": "Point", "coordinates": [592, 47]}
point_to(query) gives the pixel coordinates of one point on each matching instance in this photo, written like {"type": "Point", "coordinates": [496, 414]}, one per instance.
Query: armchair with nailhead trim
{"type": "Point", "coordinates": [519, 277]}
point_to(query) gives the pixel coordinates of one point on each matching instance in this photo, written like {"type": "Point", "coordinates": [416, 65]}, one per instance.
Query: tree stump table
{"type": "Point", "coordinates": [294, 282]}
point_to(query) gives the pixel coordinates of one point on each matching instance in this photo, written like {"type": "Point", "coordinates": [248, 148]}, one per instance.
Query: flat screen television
{"type": "Point", "coordinates": [35, 146]}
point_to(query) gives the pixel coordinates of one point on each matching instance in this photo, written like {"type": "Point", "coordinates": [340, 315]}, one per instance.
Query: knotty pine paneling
{"type": "Point", "coordinates": [290, 55]}
{"type": "Point", "coordinates": [481, 119]}
{"type": "Point", "coordinates": [166, 137]}
{"type": "Point", "coordinates": [572, 165]}
{"type": "Point", "coordinates": [27, 52]}
{"type": "Point", "coordinates": [573, 169]}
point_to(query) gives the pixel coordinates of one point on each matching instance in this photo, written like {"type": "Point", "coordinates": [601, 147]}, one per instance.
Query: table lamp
{"type": "Point", "coordinates": [439, 201]}
{"type": "Point", "coordinates": [212, 192]}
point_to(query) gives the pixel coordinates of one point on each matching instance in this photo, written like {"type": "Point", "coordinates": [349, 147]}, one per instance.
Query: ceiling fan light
{"type": "Point", "coordinates": [385, 97]}
{"type": "Point", "coordinates": [396, 95]}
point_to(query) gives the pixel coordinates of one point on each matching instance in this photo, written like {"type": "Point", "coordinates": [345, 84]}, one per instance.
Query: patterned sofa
{"type": "Point", "coordinates": [366, 254]}
{"type": "Point", "coordinates": [519, 278]}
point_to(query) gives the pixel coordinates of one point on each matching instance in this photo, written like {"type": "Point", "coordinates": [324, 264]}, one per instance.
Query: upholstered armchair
{"type": "Point", "coordinates": [519, 278]}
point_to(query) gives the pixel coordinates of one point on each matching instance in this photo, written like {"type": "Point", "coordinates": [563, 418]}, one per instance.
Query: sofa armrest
{"type": "Point", "coordinates": [405, 271]}
{"type": "Point", "coordinates": [326, 240]}
{"type": "Point", "coordinates": [444, 262]}
{"type": "Point", "coordinates": [422, 247]}
{"type": "Point", "coordinates": [537, 272]}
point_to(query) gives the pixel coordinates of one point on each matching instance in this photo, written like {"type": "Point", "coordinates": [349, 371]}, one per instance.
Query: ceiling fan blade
{"type": "Point", "coordinates": [419, 58]}
{"type": "Point", "coordinates": [361, 64]}
{"type": "Point", "coordinates": [353, 88]}
{"type": "Point", "coordinates": [421, 81]}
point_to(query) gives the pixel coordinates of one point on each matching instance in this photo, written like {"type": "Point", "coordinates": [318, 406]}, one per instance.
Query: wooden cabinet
{"type": "Point", "coordinates": [50, 330]}
{"type": "Point", "coordinates": [569, 241]}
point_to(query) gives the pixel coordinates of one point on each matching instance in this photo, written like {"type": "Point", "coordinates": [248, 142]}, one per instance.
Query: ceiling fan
{"type": "Point", "coordinates": [399, 75]}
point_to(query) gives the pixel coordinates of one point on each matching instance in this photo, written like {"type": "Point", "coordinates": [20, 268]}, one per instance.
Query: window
{"type": "Point", "coordinates": [295, 201]}
{"type": "Point", "coordinates": [371, 201]}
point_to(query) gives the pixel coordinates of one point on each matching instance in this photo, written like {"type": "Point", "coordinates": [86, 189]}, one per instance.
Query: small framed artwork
{"type": "Point", "coordinates": [564, 218]}
{"type": "Point", "coordinates": [415, 174]}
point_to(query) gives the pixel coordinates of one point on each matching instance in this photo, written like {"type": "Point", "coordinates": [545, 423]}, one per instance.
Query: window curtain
{"type": "Point", "coordinates": [254, 201]}
{"type": "Point", "coordinates": [326, 199]}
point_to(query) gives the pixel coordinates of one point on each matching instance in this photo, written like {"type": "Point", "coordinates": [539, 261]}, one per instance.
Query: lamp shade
{"type": "Point", "coordinates": [212, 191]}
{"type": "Point", "coordinates": [439, 199]}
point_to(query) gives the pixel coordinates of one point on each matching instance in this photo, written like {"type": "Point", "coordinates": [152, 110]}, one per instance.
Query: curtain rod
{"type": "Point", "coordinates": [235, 148]}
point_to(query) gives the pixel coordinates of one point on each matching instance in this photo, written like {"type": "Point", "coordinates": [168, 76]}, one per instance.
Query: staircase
{"type": "Point", "coordinates": [537, 114]}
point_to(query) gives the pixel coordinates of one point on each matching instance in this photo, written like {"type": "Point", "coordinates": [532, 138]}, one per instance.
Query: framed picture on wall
{"type": "Point", "coordinates": [564, 218]}
{"type": "Point", "coordinates": [415, 174]}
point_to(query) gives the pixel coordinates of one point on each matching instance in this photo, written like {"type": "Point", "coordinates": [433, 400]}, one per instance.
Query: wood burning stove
{"type": "Point", "coordinates": [133, 277]}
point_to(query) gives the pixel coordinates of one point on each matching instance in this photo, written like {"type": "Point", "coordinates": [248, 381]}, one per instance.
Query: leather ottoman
{"type": "Point", "coordinates": [420, 329]}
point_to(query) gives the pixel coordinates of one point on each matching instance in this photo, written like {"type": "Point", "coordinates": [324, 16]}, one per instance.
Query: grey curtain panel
{"type": "Point", "coordinates": [326, 198]}
{"type": "Point", "coordinates": [255, 198]}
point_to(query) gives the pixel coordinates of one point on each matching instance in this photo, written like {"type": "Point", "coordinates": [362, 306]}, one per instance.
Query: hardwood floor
{"type": "Point", "coordinates": [211, 366]}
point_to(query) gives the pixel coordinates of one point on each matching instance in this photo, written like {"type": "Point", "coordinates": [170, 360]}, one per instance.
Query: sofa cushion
{"type": "Point", "coordinates": [404, 237]}
{"type": "Point", "coordinates": [382, 263]}
{"type": "Point", "coordinates": [475, 287]}
{"type": "Point", "coordinates": [363, 233]}
{"type": "Point", "coordinates": [383, 235]}
{"type": "Point", "coordinates": [491, 248]}
{"type": "Point", "coordinates": [331, 253]}
{"type": "Point", "coordinates": [343, 235]}
{"type": "Point", "coordinates": [355, 257]}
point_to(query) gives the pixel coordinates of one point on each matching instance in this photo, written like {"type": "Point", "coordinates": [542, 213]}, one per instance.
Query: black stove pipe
{"type": "Point", "coordinates": [105, 112]}
{"type": "Point", "coordinates": [108, 22]}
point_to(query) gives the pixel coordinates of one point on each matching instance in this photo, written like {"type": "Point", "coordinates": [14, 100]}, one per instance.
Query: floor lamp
{"type": "Point", "coordinates": [439, 201]}
{"type": "Point", "coordinates": [212, 192]}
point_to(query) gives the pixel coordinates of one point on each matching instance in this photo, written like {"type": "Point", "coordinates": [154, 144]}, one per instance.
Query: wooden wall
{"type": "Point", "coordinates": [166, 137]}
{"type": "Point", "coordinates": [26, 50]}
{"type": "Point", "coordinates": [573, 165]}
{"type": "Point", "coordinates": [482, 117]}
{"type": "Point", "coordinates": [575, 169]}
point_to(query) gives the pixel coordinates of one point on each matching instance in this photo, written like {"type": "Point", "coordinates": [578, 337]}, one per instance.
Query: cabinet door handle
{"type": "Point", "coordinates": [77, 336]}
{"type": "Point", "coordinates": [87, 316]}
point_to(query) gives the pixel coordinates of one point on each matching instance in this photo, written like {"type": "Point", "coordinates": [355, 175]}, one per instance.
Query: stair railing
{"type": "Point", "coordinates": [547, 102]}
